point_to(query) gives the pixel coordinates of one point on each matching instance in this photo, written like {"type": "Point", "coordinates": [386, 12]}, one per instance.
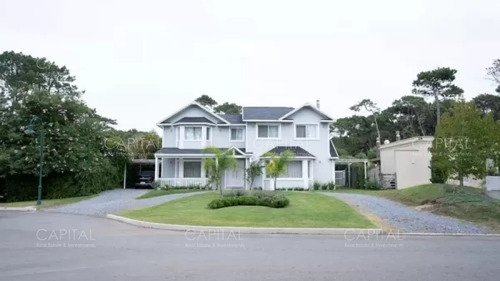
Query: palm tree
{"type": "Point", "coordinates": [277, 164]}
{"type": "Point", "coordinates": [216, 166]}
{"type": "Point", "coordinates": [253, 171]}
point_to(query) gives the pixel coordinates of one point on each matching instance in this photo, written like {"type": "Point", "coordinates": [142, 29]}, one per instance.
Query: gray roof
{"type": "Point", "coordinates": [333, 151]}
{"type": "Point", "coordinates": [194, 120]}
{"type": "Point", "coordinates": [299, 151]}
{"type": "Point", "coordinates": [265, 112]}
{"type": "Point", "coordinates": [232, 118]}
{"type": "Point", "coordinates": [175, 150]}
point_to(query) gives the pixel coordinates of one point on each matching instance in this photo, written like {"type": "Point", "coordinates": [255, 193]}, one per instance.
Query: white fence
{"type": "Point", "coordinates": [286, 183]}
{"type": "Point", "coordinates": [183, 181]}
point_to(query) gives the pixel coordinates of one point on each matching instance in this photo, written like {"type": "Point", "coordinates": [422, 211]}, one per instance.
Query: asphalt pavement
{"type": "Point", "coordinates": [55, 246]}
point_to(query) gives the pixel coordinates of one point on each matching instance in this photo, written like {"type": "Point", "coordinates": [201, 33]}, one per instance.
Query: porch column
{"type": "Point", "coordinates": [263, 175]}
{"type": "Point", "coordinates": [311, 168]}
{"type": "Point", "coordinates": [157, 166]}
{"type": "Point", "coordinates": [245, 174]}
{"type": "Point", "coordinates": [305, 168]}
{"type": "Point", "coordinates": [365, 164]}
{"type": "Point", "coordinates": [334, 175]}
{"type": "Point", "coordinates": [181, 168]}
{"type": "Point", "coordinates": [202, 169]}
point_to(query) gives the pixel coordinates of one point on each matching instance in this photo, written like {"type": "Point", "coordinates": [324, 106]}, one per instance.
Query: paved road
{"type": "Point", "coordinates": [407, 219]}
{"type": "Point", "coordinates": [116, 200]}
{"type": "Point", "coordinates": [109, 250]}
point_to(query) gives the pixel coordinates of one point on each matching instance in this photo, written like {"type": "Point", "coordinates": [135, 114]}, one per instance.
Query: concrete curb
{"type": "Point", "coordinates": [452, 234]}
{"type": "Point", "coordinates": [249, 230]}
{"type": "Point", "coordinates": [19, 209]}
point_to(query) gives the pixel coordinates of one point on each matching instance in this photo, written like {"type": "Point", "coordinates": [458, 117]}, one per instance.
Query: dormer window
{"type": "Point", "coordinates": [192, 133]}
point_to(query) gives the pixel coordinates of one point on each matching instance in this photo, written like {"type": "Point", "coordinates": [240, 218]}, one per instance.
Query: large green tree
{"type": "Point", "coordinates": [488, 103]}
{"type": "Point", "coordinates": [34, 89]}
{"type": "Point", "coordinates": [494, 73]}
{"type": "Point", "coordinates": [369, 106]}
{"type": "Point", "coordinates": [225, 108]}
{"type": "Point", "coordinates": [437, 83]}
{"type": "Point", "coordinates": [463, 141]}
{"type": "Point", "coordinates": [228, 108]}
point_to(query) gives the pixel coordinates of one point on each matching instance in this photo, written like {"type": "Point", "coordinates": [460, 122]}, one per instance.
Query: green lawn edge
{"type": "Point", "coordinates": [48, 203]}
{"type": "Point", "coordinates": [306, 210]}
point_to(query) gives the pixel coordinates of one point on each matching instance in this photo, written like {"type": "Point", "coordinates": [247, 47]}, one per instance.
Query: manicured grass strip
{"type": "Point", "coordinates": [305, 210]}
{"type": "Point", "coordinates": [49, 203]}
{"type": "Point", "coordinates": [161, 192]}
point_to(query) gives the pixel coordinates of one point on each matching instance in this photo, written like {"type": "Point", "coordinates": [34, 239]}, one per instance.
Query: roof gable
{"type": "Point", "coordinates": [208, 113]}
{"type": "Point", "coordinates": [323, 115]}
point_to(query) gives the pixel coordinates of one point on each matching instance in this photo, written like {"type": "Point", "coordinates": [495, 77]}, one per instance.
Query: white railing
{"type": "Point", "coordinates": [286, 183]}
{"type": "Point", "coordinates": [176, 182]}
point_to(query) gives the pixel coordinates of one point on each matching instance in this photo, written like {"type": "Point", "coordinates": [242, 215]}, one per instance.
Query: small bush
{"type": "Point", "coordinates": [371, 185]}
{"type": "Point", "coordinates": [330, 185]}
{"type": "Point", "coordinates": [257, 188]}
{"type": "Point", "coordinates": [316, 185]}
{"type": "Point", "coordinates": [256, 198]}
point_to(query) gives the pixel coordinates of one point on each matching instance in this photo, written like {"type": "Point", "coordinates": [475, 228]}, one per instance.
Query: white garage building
{"type": "Point", "coordinates": [408, 159]}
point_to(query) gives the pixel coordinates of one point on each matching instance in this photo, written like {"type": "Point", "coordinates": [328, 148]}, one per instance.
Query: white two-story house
{"type": "Point", "coordinates": [250, 135]}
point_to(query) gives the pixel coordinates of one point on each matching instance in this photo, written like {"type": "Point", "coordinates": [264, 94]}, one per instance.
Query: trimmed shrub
{"type": "Point", "coordinates": [330, 185]}
{"type": "Point", "coordinates": [316, 185]}
{"type": "Point", "coordinates": [371, 185]}
{"type": "Point", "coordinates": [242, 198]}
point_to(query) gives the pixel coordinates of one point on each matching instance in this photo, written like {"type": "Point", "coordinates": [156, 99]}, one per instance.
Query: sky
{"type": "Point", "coordinates": [140, 61]}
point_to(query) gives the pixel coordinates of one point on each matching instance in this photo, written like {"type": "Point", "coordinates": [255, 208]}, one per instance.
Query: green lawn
{"type": "Point", "coordinates": [161, 192]}
{"type": "Point", "coordinates": [465, 203]}
{"type": "Point", "coordinates": [306, 209]}
{"type": "Point", "coordinates": [49, 203]}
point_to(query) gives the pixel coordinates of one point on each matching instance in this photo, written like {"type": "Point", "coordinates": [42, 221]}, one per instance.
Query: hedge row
{"type": "Point", "coordinates": [242, 198]}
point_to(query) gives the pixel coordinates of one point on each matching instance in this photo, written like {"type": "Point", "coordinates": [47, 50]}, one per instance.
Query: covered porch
{"type": "Point", "coordinates": [186, 169]}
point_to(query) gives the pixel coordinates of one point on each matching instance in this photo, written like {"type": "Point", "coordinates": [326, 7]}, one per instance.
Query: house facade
{"type": "Point", "coordinates": [249, 136]}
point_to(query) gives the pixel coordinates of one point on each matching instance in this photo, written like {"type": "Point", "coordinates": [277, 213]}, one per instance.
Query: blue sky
{"type": "Point", "coordinates": [141, 60]}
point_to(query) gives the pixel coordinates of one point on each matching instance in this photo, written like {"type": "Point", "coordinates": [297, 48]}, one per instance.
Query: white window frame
{"type": "Point", "coordinates": [242, 135]}
{"type": "Point", "coordinates": [305, 124]}
{"type": "Point", "coordinates": [268, 138]}
{"type": "Point", "coordinates": [184, 135]}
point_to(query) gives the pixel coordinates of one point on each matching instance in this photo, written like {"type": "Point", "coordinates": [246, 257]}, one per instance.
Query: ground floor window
{"type": "Point", "coordinates": [192, 169]}
{"type": "Point", "coordinates": [293, 170]}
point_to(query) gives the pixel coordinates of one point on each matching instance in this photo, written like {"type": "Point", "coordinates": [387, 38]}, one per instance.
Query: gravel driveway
{"type": "Point", "coordinates": [116, 200]}
{"type": "Point", "coordinates": [407, 219]}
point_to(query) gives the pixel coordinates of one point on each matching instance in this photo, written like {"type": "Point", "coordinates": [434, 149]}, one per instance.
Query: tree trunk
{"type": "Point", "coordinates": [275, 180]}
{"type": "Point", "coordinates": [219, 186]}
{"type": "Point", "coordinates": [438, 110]}
{"type": "Point", "coordinates": [376, 125]}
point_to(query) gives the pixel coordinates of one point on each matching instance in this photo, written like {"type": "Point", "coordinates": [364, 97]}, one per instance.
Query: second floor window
{"type": "Point", "coordinates": [192, 133]}
{"type": "Point", "coordinates": [237, 134]}
{"type": "Point", "coordinates": [208, 133]}
{"type": "Point", "coordinates": [306, 131]}
{"type": "Point", "coordinates": [268, 131]}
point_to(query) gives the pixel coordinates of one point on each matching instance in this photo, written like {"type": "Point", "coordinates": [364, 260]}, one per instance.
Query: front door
{"type": "Point", "coordinates": [236, 178]}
